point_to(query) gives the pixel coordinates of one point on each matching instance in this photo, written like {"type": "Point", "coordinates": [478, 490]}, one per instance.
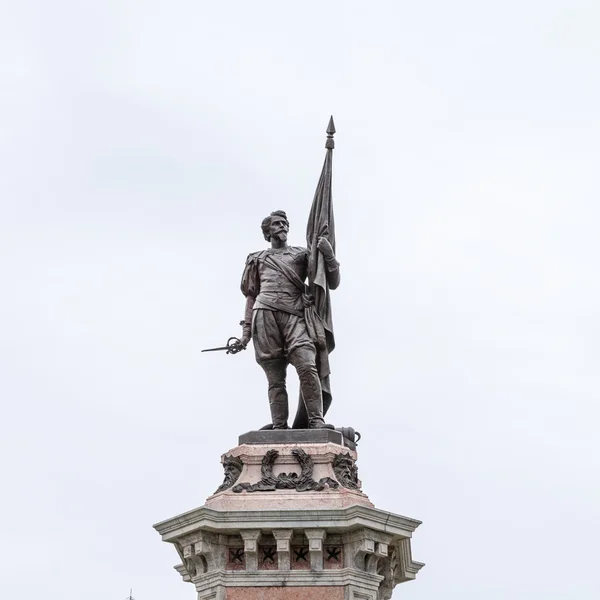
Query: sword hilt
{"type": "Point", "coordinates": [234, 345]}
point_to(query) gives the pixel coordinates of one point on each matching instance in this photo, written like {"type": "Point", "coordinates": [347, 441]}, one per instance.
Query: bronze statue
{"type": "Point", "coordinates": [276, 302]}
{"type": "Point", "coordinates": [288, 312]}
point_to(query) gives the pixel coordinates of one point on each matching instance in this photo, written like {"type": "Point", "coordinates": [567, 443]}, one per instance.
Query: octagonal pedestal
{"type": "Point", "coordinates": [290, 522]}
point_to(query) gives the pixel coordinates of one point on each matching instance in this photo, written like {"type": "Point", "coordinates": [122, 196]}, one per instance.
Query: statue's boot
{"type": "Point", "coordinates": [323, 426]}
{"type": "Point", "coordinates": [278, 398]}
{"type": "Point", "coordinates": [310, 388]}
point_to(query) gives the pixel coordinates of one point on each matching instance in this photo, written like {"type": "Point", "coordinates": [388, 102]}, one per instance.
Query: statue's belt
{"type": "Point", "coordinates": [266, 305]}
{"type": "Point", "coordinates": [292, 290]}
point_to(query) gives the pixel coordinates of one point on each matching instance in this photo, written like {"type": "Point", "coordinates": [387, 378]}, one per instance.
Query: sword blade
{"type": "Point", "coordinates": [215, 349]}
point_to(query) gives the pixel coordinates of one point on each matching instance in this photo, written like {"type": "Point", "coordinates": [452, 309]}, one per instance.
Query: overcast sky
{"type": "Point", "coordinates": [141, 144]}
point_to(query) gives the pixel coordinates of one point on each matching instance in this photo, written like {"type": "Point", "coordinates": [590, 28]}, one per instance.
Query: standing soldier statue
{"type": "Point", "coordinates": [288, 312]}
{"type": "Point", "coordinates": [277, 303]}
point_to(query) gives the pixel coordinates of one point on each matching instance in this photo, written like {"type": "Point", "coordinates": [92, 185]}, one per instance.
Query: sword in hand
{"type": "Point", "coordinates": [233, 346]}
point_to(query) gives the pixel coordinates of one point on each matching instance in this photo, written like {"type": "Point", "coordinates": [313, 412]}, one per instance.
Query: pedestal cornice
{"type": "Point", "coordinates": [344, 519]}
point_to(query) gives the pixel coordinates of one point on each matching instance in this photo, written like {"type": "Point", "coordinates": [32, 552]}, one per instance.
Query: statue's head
{"type": "Point", "coordinates": [276, 225]}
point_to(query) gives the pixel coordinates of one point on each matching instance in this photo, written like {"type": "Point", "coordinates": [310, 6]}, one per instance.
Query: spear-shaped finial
{"type": "Point", "coordinates": [330, 144]}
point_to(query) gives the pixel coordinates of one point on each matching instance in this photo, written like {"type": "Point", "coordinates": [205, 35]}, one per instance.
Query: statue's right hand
{"type": "Point", "coordinates": [246, 337]}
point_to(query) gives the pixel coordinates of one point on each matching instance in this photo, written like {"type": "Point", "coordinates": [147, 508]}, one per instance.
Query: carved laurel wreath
{"type": "Point", "coordinates": [287, 481]}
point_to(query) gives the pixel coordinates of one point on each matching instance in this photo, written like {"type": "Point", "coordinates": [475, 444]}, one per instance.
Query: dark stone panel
{"type": "Point", "coordinates": [295, 436]}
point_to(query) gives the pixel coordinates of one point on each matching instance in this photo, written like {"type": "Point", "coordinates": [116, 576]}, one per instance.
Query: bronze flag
{"type": "Point", "coordinates": [321, 224]}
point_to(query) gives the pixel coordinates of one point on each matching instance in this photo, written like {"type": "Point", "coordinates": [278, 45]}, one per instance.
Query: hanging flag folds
{"type": "Point", "coordinates": [318, 319]}
{"type": "Point", "coordinates": [321, 224]}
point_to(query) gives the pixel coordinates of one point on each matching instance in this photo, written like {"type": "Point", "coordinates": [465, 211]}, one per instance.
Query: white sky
{"type": "Point", "coordinates": [142, 143]}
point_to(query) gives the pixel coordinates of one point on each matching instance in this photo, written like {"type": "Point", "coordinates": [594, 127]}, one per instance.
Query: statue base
{"type": "Point", "coordinates": [301, 436]}
{"type": "Point", "coordinates": [290, 522]}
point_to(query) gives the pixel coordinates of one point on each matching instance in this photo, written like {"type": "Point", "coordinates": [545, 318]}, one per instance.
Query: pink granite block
{"type": "Point", "coordinates": [286, 593]}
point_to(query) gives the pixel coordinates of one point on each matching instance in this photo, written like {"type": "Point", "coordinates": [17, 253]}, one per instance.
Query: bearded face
{"type": "Point", "coordinates": [276, 227]}
{"type": "Point", "coordinates": [279, 228]}
{"type": "Point", "coordinates": [232, 466]}
{"type": "Point", "coordinates": [346, 471]}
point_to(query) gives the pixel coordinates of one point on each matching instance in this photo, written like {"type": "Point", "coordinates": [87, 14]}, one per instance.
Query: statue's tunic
{"type": "Point", "coordinates": [278, 326]}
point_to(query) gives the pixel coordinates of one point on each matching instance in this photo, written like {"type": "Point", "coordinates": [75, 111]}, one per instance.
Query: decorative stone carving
{"type": "Point", "coordinates": [387, 568]}
{"type": "Point", "coordinates": [194, 564]}
{"type": "Point", "coordinates": [236, 558]}
{"type": "Point", "coordinates": [301, 554]}
{"type": "Point", "coordinates": [269, 555]}
{"type": "Point", "coordinates": [232, 466]}
{"type": "Point", "coordinates": [346, 471]}
{"type": "Point", "coordinates": [333, 553]}
{"type": "Point", "coordinates": [197, 553]}
{"type": "Point", "coordinates": [287, 481]}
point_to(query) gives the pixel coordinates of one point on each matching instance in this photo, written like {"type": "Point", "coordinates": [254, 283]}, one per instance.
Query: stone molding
{"type": "Point", "coordinates": [374, 562]}
{"type": "Point", "coordinates": [337, 577]}
{"type": "Point", "coordinates": [218, 594]}
{"type": "Point", "coordinates": [340, 520]}
{"type": "Point", "coordinates": [287, 500]}
{"type": "Point", "coordinates": [252, 454]}
{"type": "Point", "coordinates": [408, 568]}
{"type": "Point", "coordinates": [356, 593]}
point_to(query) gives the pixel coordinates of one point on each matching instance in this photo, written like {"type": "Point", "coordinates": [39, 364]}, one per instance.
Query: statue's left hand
{"type": "Point", "coordinates": [325, 247]}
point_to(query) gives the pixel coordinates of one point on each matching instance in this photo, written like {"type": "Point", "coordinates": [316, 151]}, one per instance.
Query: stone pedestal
{"type": "Point", "coordinates": [290, 522]}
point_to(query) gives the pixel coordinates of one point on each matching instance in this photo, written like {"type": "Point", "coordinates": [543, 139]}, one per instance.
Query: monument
{"type": "Point", "coordinates": [290, 520]}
